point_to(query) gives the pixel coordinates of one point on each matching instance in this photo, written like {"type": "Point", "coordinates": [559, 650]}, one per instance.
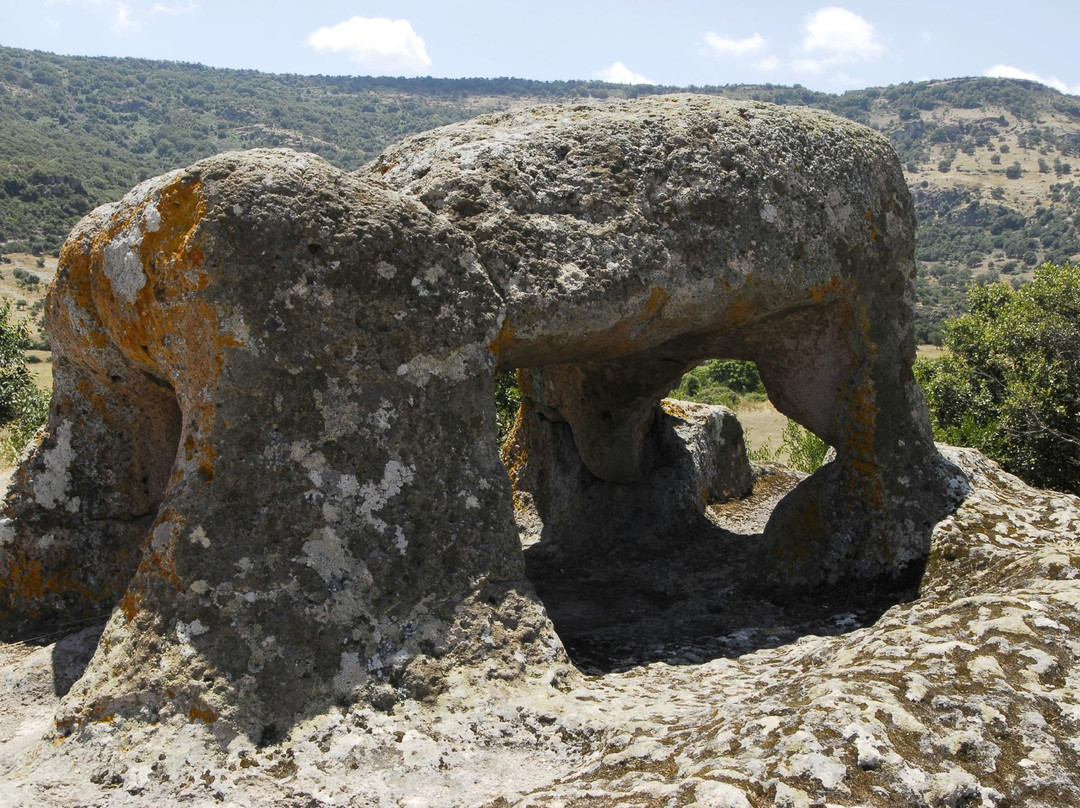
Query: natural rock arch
{"type": "Point", "coordinates": [320, 346]}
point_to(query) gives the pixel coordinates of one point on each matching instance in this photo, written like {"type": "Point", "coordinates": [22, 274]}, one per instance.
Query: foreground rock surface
{"type": "Point", "coordinates": [969, 694]}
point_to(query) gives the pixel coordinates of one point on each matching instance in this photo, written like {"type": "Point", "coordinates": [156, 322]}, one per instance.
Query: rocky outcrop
{"type": "Point", "coordinates": [630, 241]}
{"type": "Point", "coordinates": [289, 329]}
{"type": "Point", "coordinates": [272, 447]}
{"type": "Point", "coordinates": [966, 694]}
{"type": "Point", "coordinates": [693, 455]}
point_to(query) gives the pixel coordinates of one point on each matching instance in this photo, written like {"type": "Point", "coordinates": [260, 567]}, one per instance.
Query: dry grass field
{"type": "Point", "coordinates": [25, 300]}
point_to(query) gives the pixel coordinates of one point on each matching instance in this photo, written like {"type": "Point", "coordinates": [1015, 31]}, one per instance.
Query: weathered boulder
{"type": "Point", "coordinates": [693, 455]}
{"type": "Point", "coordinates": [630, 241]}
{"type": "Point", "coordinates": [272, 440]}
{"type": "Point", "coordinates": [966, 695]}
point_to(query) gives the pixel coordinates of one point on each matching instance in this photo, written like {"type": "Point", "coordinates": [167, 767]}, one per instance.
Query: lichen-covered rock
{"type": "Point", "coordinates": [631, 240]}
{"type": "Point", "coordinates": [245, 351]}
{"type": "Point", "coordinates": [693, 455]}
{"type": "Point", "coordinates": [966, 695]}
{"type": "Point", "coordinates": [272, 439]}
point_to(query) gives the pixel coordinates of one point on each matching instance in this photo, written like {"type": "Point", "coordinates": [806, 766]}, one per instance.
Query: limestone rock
{"type": "Point", "coordinates": [693, 455]}
{"type": "Point", "coordinates": [271, 450]}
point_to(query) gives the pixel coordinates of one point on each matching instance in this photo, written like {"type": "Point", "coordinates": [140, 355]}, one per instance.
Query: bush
{"type": "Point", "coordinates": [507, 400]}
{"type": "Point", "coordinates": [1010, 384]}
{"type": "Point", "coordinates": [805, 451]}
{"type": "Point", "coordinates": [720, 381]}
{"type": "Point", "coordinates": [23, 407]}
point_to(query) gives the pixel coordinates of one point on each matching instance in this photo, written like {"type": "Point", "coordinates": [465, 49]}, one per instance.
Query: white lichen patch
{"type": "Point", "coordinates": [375, 496]}
{"type": "Point", "coordinates": [163, 535]}
{"type": "Point", "coordinates": [339, 412]}
{"type": "Point", "coordinates": [233, 326]}
{"type": "Point", "coordinates": [184, 633]}
{"type": "Point", "coordinates": [50, 485]}
{"type": "Point", "coordinates": [350, 675]}
{"type": "Point", "coordinates": [325, 553]}
{"type": "Point", "coordinates": [457, 365]}
{"type": "Point", "coordinates": [199, 537]}
{"type": "Point", "coordinates": [151, 218]}
{"type": "Point", "coordinates": [123, 267]}
{"type": "Point", "coordinates": [382, 417]}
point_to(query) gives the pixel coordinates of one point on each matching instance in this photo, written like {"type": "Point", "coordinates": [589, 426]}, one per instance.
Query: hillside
{"type": "Point", "coordinates": [990, 162]}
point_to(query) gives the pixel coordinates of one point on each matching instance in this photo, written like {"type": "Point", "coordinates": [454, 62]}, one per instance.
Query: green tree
{"type": "Point", "coordinates": [1010, 384]}
{"type": "Point", "coordinates": [23, 407]}
{"type": "Point", "coordinates": [507, 400]}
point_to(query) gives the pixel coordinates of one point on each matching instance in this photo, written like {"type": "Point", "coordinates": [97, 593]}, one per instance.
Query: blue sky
{"type": "Point", "coordinates": [827, 47]}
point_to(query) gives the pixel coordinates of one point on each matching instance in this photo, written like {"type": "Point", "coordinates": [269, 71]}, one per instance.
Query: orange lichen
{"type": "Point", "coordinates": [860, 456]}
{"type": "Point", "coordinates": [819, 291]}
{"type": "Point", "coordinates": [25, 578]}
{"type": "Point", "coordinates": [505, 336]}
{"type": "Point", "coordinates": [206, 715]}
{"type": "Point", "coordinates": [182, 208]}
{"type": "Point", "coordinates": [658, 299]}
{"type": "Point", "coordinates": [673, 409]}
{"type": "Point", "coordinates": [130, 603]}
{"type": "Point", "coordinates": [740, 310]}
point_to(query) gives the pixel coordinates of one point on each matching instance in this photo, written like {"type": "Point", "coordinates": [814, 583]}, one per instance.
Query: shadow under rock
{"type": "Point", "coordinates": [686, 600]}
{"type": "Point", "coordinates": [71, 655]}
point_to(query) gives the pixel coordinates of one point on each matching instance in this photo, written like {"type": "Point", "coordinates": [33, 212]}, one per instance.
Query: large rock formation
{"type": "Point", "coordinates": [272, 444]}
{"type": "Point", "coordinates": [631, 241]}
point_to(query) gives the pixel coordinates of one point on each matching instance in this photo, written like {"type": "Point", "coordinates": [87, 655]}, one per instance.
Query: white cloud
{"type": "Point", "coordinates": [725, 46]}
{"type": "Point", "coordinates": [619, 73]}
{"type": "Point", "coordinates": [807, 66]}
{"type": "Point", "coordinates": [177, 8]}
{"type": "Point", "coordinates": [768, 63]}
{"type": "Point", "coordinates": [840, 35]}
{"type": "Point", "coordinates": [381, 45]}
{"type": "Point", "coordinates": [121, 22]}
{"type": "Point", "coordinates": [1010, 72]}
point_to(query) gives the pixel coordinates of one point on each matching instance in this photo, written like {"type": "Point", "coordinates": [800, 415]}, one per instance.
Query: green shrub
{"type": "Point", "coordinates": [804, 450]}
{"type": "Point", "coordinates": [1010, 384]}
{"type": "Point", "coordinates": [23, 407]}
{"type": "Point", "coordinates": [507, 399]}
{"type": "Point", "coordinates": [720, 381]}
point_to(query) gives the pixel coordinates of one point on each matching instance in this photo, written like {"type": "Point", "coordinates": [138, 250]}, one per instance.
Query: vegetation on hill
{"type": "Point", "coordinates": [1010, 383]}
{"type": "Point", "coordinates": [990, 161]}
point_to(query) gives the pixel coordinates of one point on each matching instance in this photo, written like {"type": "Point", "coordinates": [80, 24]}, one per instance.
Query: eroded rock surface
{"type": "Point", "coordinates": [968, 694]}
{"type": "Point", "coordinates": [303, 541]}
{"type": "Point", "coordinates": [272, 446]}
{"type": "Point", "coordinates": [693, 455]}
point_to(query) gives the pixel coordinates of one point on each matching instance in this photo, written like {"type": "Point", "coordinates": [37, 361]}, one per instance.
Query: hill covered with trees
{"type": "Point", "coordinates": [990, 161]}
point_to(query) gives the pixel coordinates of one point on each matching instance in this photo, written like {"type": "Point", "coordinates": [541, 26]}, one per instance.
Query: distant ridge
{"type": "Point", "coordinates": [990, 161]}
